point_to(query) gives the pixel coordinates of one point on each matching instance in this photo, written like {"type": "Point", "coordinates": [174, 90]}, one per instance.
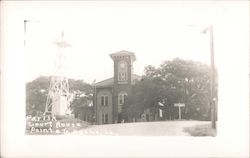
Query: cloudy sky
{"type": "Point", "coordinates": [153, 31]}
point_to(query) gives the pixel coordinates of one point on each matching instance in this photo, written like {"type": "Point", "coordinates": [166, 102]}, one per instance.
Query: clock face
{"type": "Point", "coordinates": [122, 65]}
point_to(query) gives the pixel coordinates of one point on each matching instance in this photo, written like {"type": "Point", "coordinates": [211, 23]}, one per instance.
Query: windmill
{"type": "Point", "coordinates": [57, 103]}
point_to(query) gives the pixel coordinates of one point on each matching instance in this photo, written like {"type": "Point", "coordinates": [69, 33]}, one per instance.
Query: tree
{"type": "Point", "coordinates": [36, 95]}
{"type": "Point", "coordinates": [174, 81]}
{"type": "Point", "coordinates": [192, 83]}
{"type": "Point", "coordinates": [82, 94]}
{"type": "Point", "coordinates": [144, 95]}
{"type": "Point", "coordinates": [37, 91]}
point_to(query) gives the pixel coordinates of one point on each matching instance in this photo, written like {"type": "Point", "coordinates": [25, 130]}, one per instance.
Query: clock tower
{"type": "Point", "coordinates": [123, 78]}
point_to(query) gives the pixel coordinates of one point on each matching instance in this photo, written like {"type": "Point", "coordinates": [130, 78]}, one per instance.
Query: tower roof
{"type": "Point", "coordinates": [61, 42]}
{"type": "Point", "coordinates": [123, 53]}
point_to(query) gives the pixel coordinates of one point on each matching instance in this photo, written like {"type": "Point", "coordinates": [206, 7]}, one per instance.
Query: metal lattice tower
{"type": "Point", "coordinates": [57, 103]}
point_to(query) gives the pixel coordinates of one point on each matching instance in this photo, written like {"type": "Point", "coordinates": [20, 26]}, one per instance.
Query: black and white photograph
{"type": "Point", "coordinates": [118, 72]}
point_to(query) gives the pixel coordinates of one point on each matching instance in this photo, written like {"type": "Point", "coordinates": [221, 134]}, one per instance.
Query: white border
{"type": "Point", "coordinates": [233, 125]}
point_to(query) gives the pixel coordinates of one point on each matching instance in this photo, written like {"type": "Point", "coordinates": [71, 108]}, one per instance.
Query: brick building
{"type": "Point", "coordinates": [109, 94]}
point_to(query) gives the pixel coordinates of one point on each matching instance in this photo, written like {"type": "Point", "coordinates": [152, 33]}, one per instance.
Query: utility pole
{"type": "Point", "coordinates": [212, 77]}
{"type": "Point", "coordinates": [25, 31]}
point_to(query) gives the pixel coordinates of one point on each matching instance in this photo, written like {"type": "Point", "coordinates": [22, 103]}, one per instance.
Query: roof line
{"type": "Point", "coordinates": [103, 81]}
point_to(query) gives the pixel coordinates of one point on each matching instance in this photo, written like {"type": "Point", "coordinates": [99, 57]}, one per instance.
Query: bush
{"type": "Point", "coordinates": [201, 130]}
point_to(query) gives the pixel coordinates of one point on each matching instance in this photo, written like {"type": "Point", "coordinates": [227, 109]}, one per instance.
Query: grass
{"type": "Point", "coordinates": [201, 130]}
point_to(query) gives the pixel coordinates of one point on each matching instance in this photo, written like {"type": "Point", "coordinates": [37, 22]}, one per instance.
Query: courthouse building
{"type": "Point", "coordinates": [110, 94]}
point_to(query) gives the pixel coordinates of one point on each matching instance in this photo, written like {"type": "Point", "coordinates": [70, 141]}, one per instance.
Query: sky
{"type": "Point", "coordinates": [155, 33]}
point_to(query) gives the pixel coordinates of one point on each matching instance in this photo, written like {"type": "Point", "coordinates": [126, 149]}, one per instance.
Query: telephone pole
{"type": "Point", "coordinates": [212, 77]}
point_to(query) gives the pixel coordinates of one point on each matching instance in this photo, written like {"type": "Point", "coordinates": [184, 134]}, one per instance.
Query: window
{"type": "Point", "coordinates": [122, 76]}
{"type": "Point", "coordinates": [122, 71]}
{"type": "Point", "coordinates": [121, 100]}
{"type": "Point", "coordinates": [104, 118]}
{"type": "Point", "coordinates": [104, 100]}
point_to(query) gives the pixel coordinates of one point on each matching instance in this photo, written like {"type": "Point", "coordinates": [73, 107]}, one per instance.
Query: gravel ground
{"type": "Point", "coordinates": [165, 128]}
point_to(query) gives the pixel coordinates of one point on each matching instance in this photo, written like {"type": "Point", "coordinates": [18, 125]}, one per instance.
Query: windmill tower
{"type": "Point", "coordinates": [57, 103]}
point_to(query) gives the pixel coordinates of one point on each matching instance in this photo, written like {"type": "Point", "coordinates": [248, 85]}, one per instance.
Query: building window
{"type": "Point", "coordinates": [104, 100]}
{"type": "Point", "coordinates": [121, 100]}
{"type": "Point", "coordinates": [121, 97]}
{"type": "Point", "coordinates": [104, 118]}
{"type": "Point", "coordinates": [122, 71]}
{"type": "Point", "coordinates": [122, 76]}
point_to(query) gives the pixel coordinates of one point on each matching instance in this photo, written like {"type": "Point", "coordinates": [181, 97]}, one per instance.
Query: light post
{"type": "Point", "coordinates": [95, 101]}
{"type": "Point", "coordinates": [212, 76]}
{"type": "Point", "coordinates": [26, 22]}
{"type": "Point", "coordinates": [25, 31]}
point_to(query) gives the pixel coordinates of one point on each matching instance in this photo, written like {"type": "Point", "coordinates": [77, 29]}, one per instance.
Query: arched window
{"type": "Point", "coordinates": [121, 100]}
